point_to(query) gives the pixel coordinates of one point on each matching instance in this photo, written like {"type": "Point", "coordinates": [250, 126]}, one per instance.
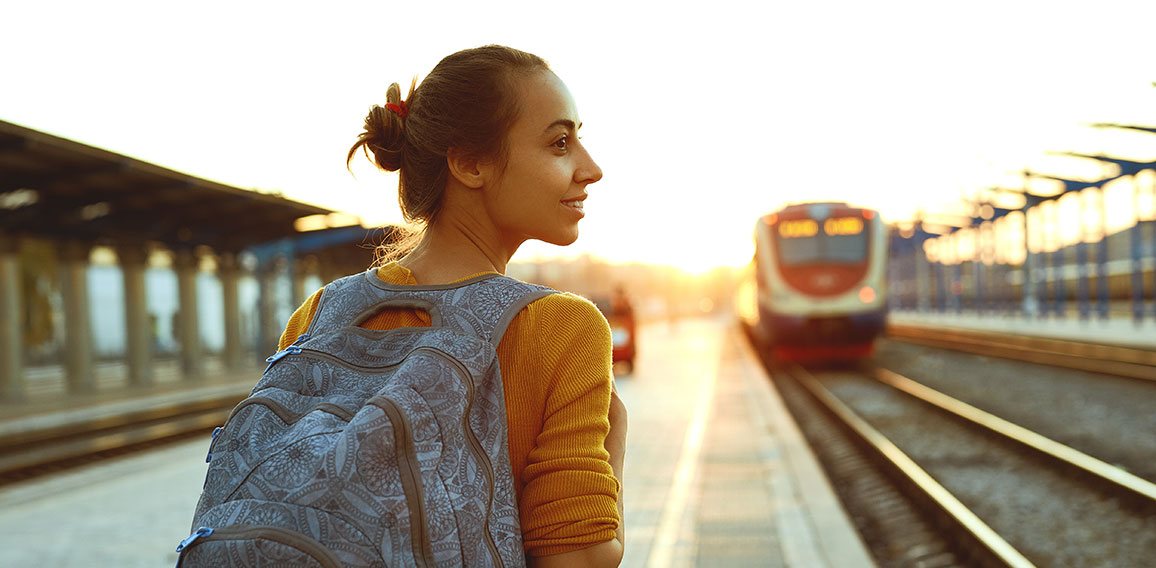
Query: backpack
{"type": "Point", "coordinates": [372, 448]}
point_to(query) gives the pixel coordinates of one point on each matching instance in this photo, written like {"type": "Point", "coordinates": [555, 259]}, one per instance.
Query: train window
{"type": "Point", "coordinates": [842, 241]}
{"type": "Point", "coordinates": [798, 228]}
{"type": "Point", "coordinates": [843, 226]}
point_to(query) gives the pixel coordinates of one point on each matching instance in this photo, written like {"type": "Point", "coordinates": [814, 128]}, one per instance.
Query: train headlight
{"type": "Point", "coordinates": [867, 294]}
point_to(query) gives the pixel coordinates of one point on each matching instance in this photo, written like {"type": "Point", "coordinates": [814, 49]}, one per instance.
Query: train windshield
{"type": "Point", "coordinates": [837, 240]}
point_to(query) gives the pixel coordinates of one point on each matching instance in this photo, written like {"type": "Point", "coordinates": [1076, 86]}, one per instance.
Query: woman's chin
{"type": "Point", "coordinates": [562, 240]}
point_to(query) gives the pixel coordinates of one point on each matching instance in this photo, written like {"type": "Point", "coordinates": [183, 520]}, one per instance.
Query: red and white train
{"type": "Point", "coordinates": [816, 289]}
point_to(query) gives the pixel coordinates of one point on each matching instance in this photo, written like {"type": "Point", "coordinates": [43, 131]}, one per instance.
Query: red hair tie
{"type": "Point", "coordinates": [398, 109]}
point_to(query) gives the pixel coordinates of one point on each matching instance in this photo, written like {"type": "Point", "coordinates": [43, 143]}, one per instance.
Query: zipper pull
{"type": "Point", "coordinates": [203, 531]}
{"type": "Point", "coordinates": [291, 350]}
{"type": "Point", "coordinates": [216, 432]}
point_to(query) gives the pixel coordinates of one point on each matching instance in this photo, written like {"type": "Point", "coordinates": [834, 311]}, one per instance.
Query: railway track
{"type": "Point", "coordinates": [63, 440]}
{"type": "Point", "coordinates": [984, 491]}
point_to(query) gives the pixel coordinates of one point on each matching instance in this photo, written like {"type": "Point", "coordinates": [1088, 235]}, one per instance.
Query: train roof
{"type": "Point", "coordinates": [810, 207]}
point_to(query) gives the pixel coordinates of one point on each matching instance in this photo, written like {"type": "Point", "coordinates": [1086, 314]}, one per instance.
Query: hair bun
{"type": "Point", "coordinates": [384, 132]}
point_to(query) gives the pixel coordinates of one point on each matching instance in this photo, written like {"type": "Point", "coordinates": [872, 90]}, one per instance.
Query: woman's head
{"type": "Point", "coordinates": [465, 105]}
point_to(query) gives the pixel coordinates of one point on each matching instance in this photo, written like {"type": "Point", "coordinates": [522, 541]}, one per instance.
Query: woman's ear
{"type": "Point", "coordinates": [470, 171]}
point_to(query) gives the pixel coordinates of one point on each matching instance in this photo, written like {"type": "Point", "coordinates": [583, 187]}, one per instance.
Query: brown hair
{"type": "Point", "coordinates": [467, 104]}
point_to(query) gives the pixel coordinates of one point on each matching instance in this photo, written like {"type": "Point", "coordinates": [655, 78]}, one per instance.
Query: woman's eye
{"type": "Point", "coordinates": [561, 142]}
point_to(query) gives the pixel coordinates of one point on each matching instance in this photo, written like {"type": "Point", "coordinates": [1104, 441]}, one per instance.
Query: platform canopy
{"type": "Point", "coordinates": [60, 189]}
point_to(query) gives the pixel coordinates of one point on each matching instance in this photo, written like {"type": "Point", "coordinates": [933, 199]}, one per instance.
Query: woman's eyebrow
{"type": "Point", "coordinates": [569, 124]}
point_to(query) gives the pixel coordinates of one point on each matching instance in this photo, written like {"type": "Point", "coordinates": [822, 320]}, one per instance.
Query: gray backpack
{"type": "Point", "coordinates": [372, 448]}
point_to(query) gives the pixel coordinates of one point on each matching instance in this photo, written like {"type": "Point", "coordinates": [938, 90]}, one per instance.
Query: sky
{"type": "Point", "coordinates": [703, 116]}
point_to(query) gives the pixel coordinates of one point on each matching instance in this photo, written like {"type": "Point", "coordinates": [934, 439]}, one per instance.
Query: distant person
{"type": "Point", "coordinates": [620, 303]}
{"type": "Point", "coordinates": [623, 328]}
{"type": "Point", "coordinates": [489, 157]}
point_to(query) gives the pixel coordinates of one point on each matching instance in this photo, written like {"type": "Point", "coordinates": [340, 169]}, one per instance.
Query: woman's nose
{"type": "Point", "coordinates": [588, 172]}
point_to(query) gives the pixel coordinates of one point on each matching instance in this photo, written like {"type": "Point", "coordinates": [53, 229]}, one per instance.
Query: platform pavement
{"type": "Point", "coordinates": [1116, 330]}
{"type": "Point", "coordinates": [744, 488]}
{"type": "Point", "coordinates": [717, 474]}
{"type": "Point", "coordinates": [50, 407]}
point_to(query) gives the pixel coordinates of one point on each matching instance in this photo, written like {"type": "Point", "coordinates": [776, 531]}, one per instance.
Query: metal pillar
{"type": "Point", "coordinates": [11, 321]}
{"type": "Point", "coordinates": [922, 280]}
{"type": "Point", "coordinates": [1083, 291]}
{"type": "Point", "coordinates": [1136, 243]}
{"type": "Point", "coordinates": [188, 330]}
{"type": "Point", "coordinates": [941, 287]}
{"type": "Point", "coordinates": [1104, 301]}
{"type": "Point", "coordinates": [1028, 282]}
{"type": "Point", "coordinates": [138, 331]}
{"type": "Point", "coordinates": [957, 286]}
{"type": "Point", "coordinates": [78, 365]}
{"type": "Point", "coordinates": [1083, 284]}
{"type": "Point", "coordinates": [1059, 288]}
{"type": "Point", "coordinates": [229, 272]}
{"type": "Point", "coordinates": [1154, 258]}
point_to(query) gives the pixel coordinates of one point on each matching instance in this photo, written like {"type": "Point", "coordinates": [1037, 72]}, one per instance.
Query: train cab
{"type": "Point", "coordinates": [820, 278]}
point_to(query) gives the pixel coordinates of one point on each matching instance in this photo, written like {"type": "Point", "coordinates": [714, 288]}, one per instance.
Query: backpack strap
{"type": "Point", "coordinates": [482, 306]}
{"type": "Point", "coordinates": [513, 309]}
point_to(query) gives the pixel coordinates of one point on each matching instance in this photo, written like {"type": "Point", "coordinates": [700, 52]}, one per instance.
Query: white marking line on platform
{"type": "Point", "coordinates": [666, 536]}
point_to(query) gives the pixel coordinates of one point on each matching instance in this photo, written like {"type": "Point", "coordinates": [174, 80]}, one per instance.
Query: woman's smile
{"type": "Point", "coordinates": [576, 206]}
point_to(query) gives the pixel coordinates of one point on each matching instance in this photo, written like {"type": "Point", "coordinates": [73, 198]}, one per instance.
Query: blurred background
{"type": "Point", "coordinates": [702, 119]}
{"type": "Point", "coordinates": [173, 180]}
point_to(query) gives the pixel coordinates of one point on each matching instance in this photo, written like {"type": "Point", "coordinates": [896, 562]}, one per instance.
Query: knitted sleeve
{"type": "Point", "coordinates": [568, 497]}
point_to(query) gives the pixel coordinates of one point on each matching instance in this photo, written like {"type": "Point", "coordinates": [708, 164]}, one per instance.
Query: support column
{"type": "Point", "coordinates": [922, 279]}
{"type": "Point", "coordinates": [78, 367]}
{"type": "Point", "coordinates": [11, 321]}
{"type": "Point", "coordinates": [229, 271]}
{"type": "Point", "coordinates": [188, 331]}
{"type": "Point", "coordinates": [268, 334]}
{"type": "Point", "coordinates": [328, 270]}
{"type": "Point", "coordinates": [138, 331]}
{"type": "Point", "coordinates": [300, 270]}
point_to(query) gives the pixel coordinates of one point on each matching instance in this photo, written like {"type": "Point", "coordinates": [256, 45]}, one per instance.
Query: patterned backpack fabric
{"type": "Point", "coordinates": [372, 448]}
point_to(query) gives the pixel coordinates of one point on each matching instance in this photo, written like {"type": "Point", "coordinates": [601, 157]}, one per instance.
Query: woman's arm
{"type": "Point", "coordinates": [609, 553]}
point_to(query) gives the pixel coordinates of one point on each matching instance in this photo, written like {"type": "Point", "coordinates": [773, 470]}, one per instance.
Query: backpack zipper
{"type": "Point", "coordinates": [292, 348]}
{"type": "Point", "coordinates": [475, 447]}
{"type": "Point", "coordinates": [411, 482]}
{"type": "Point", "coordinates": [216, 432]}
{"type": "Point", "coordinates": [316, 354]}
{"type": "Point", "coordinates": [288, 416]}
{"type": "Point", "coordinates": [310, 547]}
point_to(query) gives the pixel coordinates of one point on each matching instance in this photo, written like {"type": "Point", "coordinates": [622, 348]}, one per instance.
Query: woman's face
{"type": "Point", "coordinates": [541, 190]}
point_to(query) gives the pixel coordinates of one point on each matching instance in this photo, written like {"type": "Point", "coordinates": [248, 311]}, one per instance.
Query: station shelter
{"type": "Point", "coordinates": [63, 203]}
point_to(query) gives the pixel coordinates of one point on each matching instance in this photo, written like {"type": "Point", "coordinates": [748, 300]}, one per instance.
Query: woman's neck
{"type": "Point", "coordinates": [451, 251]}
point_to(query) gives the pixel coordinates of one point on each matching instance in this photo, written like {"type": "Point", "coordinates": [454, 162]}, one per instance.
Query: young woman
{"type": "Point", "coordinates": [489, 157]}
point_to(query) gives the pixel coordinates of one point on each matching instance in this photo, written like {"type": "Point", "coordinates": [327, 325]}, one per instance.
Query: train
{"type": "Point", "coordinates": [816, 289]}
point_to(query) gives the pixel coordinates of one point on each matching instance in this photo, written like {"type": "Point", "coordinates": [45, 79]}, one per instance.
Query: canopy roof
{"type": "Point", "coordinates": [61, 189]}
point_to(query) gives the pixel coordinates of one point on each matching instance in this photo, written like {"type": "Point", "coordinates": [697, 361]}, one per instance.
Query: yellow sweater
{"type": "Point", "coordinates": [556, 374]}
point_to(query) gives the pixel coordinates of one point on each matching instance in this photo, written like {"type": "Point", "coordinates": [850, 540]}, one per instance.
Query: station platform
{"type": "Point", "coordinates": [716, 473]}
{"type": "Point", "coordinates": [1119, 329]}
{"type": "Point", "coordinates": [49, 406]}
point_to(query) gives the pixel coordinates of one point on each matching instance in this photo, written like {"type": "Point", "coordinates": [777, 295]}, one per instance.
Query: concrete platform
{"type": "Point", "coordinates": [1117, 330]}
{"type": "Point", "coordinates": [717, 473]}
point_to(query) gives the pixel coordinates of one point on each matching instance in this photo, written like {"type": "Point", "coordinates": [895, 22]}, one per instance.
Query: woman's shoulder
{"type": "Point", "coordinates": [560, 319]}
{"type": "Point", "coordinates": [568, 307]}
